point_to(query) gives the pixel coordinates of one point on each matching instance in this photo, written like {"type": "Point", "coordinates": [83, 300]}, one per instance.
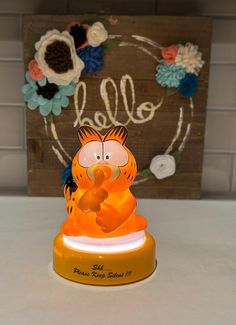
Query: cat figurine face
{"type": "Point", "coordinates": [108, 151]}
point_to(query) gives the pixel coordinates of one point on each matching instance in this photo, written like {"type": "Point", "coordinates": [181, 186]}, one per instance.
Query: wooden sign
{"type": "Point", "coordinates": [125, 91]}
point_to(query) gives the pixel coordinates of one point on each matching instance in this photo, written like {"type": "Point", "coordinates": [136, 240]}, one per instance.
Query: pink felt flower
{"type": "Point", "coordinates": [169, 53]}
{"type": "Point", "coordinates": [35, 71]}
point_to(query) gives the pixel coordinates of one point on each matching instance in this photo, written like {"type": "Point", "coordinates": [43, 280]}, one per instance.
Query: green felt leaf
{"type": "Point", "coordinates": [89, 19]}
{"type": "Point", "coordinates": [177, 156]}
{"type": "Point", "coordinates": [146, 173]}
{"type": "Point", "coordinates": [171, 91]}
{"type": "Point", "coordinates": [33, 38]}
{"type": "Point", "coordinates": [49, 118]}
{"type": "Point", "coordinates": [110, 44]}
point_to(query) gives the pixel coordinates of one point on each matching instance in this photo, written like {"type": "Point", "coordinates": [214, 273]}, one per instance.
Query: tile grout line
{"type": "Point", "coordinates": [9, 60]}
{"type": "Point", "coordinates": [221, 108]}
{"type": "Point", "coordinates": [223, 62]}
{"type": "Point", "coordinates": [12, 148]}
{"type": "Point", "coordinates": [219, 152]}
{"type": "Point", "coordinates": [2, 105]}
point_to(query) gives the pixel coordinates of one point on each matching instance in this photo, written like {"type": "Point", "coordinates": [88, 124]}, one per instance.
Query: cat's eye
{"type": "Point", "coordinates": [90, 154]}
{"type": "Point", "coordinates": [114, 153]}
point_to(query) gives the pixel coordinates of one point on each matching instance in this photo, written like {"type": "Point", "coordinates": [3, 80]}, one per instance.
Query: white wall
{"type": "Point", "coordinates": [219, 174]}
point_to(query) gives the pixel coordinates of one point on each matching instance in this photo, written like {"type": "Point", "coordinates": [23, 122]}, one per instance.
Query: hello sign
{"type": "Point", "coordinates": [158, 92]}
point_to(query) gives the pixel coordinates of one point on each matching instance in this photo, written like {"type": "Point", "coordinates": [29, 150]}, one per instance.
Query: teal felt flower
{"type": "Point", "coordinates": [169, 75]}
{"type": "Point", "coordinates": [48, 97]}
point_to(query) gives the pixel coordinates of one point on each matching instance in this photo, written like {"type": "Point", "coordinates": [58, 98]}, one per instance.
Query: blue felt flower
{"type": "Point", "coordinates": [50, 98]}
{"type": "Point", "coordinates": [169, 75]}
{"type": "Point", "coordinates": [92, 58]}
{"type": "Point", "coordinates": [66, 173]}
{"type": "Point", "coordinates": [188, 85]}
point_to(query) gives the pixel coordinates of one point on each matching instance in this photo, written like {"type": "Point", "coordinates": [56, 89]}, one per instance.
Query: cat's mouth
{"type": "Point", "coordinates": [111, 172]}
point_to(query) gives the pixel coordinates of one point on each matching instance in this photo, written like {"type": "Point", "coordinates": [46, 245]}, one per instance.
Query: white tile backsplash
{"type": "Point", "coordinates": [12, 127]}
{"type": "Point", "coordinates": [222, 86]}
{"type": "Point", "coordinates": [221, 131]}
{"type": "Point", "coordinates": [216, 173]}
{"type": "Point", "coordinates": [224, 41]}
{"type": "Point", "coordinates": [11, 80]}
{"type": "Point", "coordinates": [13, 173]}
{"type": "Point", "coordinates": [10, 38]}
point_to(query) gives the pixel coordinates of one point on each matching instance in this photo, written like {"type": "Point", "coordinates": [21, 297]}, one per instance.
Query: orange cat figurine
{"type": "Point", "coordinates": [103, 241]}
{"type": "Point", "coordinates": [100, 204]}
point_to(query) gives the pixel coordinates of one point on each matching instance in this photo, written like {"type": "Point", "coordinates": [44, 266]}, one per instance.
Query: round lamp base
{"type": "Point", "coordinates": [104, 268]}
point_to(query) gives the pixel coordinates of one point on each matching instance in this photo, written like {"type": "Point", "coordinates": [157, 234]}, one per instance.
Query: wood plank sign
{"type": "Point", "coordinates": [148, 73]}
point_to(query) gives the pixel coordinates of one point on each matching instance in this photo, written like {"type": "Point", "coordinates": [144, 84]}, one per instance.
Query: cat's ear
{"type": "Point", "coordinates": [86, 134]}
{"type": "Point", "coordinates": [118, 133]}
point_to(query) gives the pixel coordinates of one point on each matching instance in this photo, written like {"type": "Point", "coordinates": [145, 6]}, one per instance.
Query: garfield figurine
{"type": "Point", "coordinates": [100, 203]}
{"type": "Point", "coordinates": [103, 241]}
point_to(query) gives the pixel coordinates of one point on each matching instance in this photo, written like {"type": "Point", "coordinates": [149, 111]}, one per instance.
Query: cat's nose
{"type": "Point", "coordinates": [105, 170]}
{"type": "Point", "coordinates": [109, 172]}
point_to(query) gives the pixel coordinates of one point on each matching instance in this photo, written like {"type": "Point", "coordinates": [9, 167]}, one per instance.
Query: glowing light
{"type": "Point", "coordinates": [106, 245]}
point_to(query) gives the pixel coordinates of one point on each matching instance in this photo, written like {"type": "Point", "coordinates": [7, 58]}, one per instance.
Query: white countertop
{"type": "Point", "coordinates": [195, 283]}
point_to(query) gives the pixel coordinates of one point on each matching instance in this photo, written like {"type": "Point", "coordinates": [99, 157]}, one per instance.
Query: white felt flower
{"type": "Point", "coordinates": [163, 166]}
{"type": "Point", "coordinates": [189, 58]}
{"type": "Point", "coordinates": [96, 34]}
{"type": "Point", "coordinates": [57, 58]}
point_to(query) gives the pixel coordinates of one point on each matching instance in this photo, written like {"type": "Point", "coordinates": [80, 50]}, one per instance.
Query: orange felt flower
{"type": "Point", "coordinates": [35, 71]}
{"type": "Point", "coordinates": [169, 53]}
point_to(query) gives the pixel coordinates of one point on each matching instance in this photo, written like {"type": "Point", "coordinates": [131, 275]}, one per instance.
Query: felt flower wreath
{"type": "Point", "coordinates": [59, 60]}
{"type": "Point", "coordinates": [61, 57]}
{"type": "Point", "coordinates": [179, 68]}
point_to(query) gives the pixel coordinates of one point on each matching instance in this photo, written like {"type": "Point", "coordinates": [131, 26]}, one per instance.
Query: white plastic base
{"type": "Point", "coordinates": [106, 245]}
